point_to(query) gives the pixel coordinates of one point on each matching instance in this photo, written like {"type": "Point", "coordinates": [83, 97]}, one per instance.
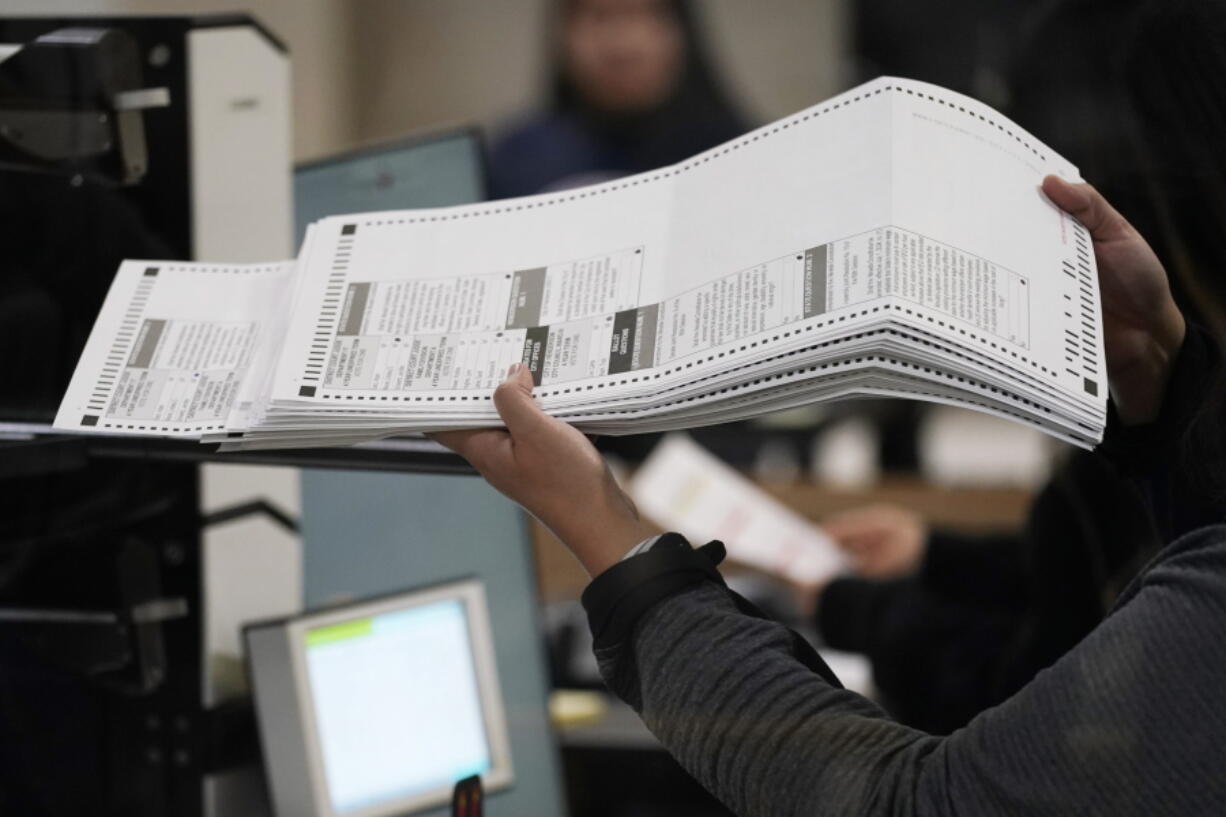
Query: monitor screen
{"type": "Point", "coordinates": [393, 702]}
{"type": "Point", "coordinates": [434, 171]}
{"type": "Point", "coordinates": [396, 704]}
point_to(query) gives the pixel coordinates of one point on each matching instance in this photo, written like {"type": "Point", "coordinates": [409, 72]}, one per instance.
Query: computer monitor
{"type": "Point", "coordinates": [437, 170]}
{"type": "Point", "coordinates": [379, 708]}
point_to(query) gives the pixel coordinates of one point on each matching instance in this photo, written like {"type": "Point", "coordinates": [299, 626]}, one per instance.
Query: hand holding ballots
{"type": "Point", "coordinates": [892, 241]}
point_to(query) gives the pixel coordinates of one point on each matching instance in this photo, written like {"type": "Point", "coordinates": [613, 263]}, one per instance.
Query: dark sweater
{"type": "Point", "coordinates": [1128, 722]}
{"type": "Point", "coordinates": [985, 613]}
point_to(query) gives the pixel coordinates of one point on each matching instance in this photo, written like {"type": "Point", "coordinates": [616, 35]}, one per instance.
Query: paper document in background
{"type": "Point", "coordinates": [684, 488]}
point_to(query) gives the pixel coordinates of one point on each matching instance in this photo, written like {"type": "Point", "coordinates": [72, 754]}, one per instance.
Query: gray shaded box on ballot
{"type": "Point", "coordinates": [146, 343]}
{"type": "Point", "coordinates": [527, 294]}
{"type": "Point", "coordinates": [622, 345]}
{"type": "Point", "coordinates": [536, 341]}
{"type": "Point", "coordinates": [633, 345]}
{"type": "Point", "coordinates": [354, 310]}
{"type": "Point", "coordinates": [815, 281]}
{"type": "Point", "coordinates": [643, 355]}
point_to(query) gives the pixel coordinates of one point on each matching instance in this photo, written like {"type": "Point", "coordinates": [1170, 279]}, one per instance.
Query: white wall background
{"type": "Point", "coordinates": [372, 69]}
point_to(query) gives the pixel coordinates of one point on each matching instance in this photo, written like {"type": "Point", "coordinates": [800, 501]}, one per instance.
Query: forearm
{"type": "Point", "coordinates": [726, 695]}
{"type": "Point", "coordinates": [1120, 725]}
{"type": "Point", "coordinates": [1139, 385]}
{"type": "Point", "coordinates": [1191, 379]}
{"type": "Point", "coordinates": [1173, 457]}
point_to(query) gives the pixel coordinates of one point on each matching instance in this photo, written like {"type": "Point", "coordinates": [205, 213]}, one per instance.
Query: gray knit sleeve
{"type": "Point", "coordinates": [724, 694]}
{"type": "Point", "coordinates": [1125, 724]}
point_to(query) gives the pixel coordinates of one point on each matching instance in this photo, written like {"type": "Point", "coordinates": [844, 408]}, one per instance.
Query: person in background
{"type": "Point", "coordinates": [632, 90]}
{"type": "Point", "coordinates": [952, 623]}
{"type": "Point", "coordinates": [1127, 722]}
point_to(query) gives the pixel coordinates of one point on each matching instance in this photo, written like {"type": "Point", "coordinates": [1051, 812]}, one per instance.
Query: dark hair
{"type": "Point", "coordinates": [1174, 70]}
{"type": "Point", "coordinates": [1132, 91]}
{"type": "Point", "coordinates": [1175, 75]}
{"type": "Point", "coordinates": [698, 114]}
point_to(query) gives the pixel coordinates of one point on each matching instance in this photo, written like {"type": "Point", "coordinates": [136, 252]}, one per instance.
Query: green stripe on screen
{"type": "Point", "coordinates": [339, 632]}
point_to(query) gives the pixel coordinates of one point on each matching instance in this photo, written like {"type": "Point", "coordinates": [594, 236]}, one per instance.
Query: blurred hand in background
{"type": "Point", "coordinates": [883, 541]}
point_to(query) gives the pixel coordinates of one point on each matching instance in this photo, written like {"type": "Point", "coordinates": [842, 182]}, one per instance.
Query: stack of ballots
{"type": "Point", "coordinates": [891, 242]}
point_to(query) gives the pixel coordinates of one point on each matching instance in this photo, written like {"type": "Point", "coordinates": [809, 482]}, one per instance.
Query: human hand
{"type": "Point", "coordinates": [806, 595]}
{"type": "Point", "coordinates": [883, 541]}
{"type": "Point", "coordinates": [555, 473]}
{"type": "Point", "coordinates": [1142, 327]}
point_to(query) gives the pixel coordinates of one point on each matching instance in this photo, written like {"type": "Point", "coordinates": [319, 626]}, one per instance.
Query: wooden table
{"type": "Point", "coordinates": [560, 577]}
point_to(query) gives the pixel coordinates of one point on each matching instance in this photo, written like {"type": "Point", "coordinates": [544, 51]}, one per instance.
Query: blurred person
{"type": "Point", "coordinates": [981, 615]}
{"type": "Point", "coordinates": [883, 541]}
{"type": "Point", "coordinates": [1127, 722]}
{"type": "Point", "coordinates": [632, 90]}
{"type": "Point", "coordinates": [954, 623]}
{"type": "Point", "coordinates": [1124, 721]}
{"type": "Point", "coordinates": [896, 39]}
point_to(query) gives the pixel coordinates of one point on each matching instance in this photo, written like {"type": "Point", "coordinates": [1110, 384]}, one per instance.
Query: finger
{"type": "Point", "coordinates": [478, 445]}
{"type": "Point", "coordinates": [840, 535]}
{"type": "Point", "coordinates": [852, 543]}
{"type": "Point", "coordinates": [515, 405]}
{"type": "Point", "coordinates": [1087, 205]}
{"type": "Point", "coordinates": [455, 440]}
{"type": "Point", "coordinates": [848, 527]}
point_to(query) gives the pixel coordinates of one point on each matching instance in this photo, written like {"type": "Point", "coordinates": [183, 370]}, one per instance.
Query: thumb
{"type": "Point", "coordinates": [1087, 205]}
{"type": "Point", "coordinates": [845, 526]}
{"type": "Point", "coordinates": [513, 399]}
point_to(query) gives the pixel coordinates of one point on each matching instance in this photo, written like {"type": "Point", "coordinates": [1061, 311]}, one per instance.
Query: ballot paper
{"type": "Point", "coordinates": [176, 348]}
{"type": "Point", "coordinates": [683, 487]}
{"type": "Point", "coordinates": [892, 241]}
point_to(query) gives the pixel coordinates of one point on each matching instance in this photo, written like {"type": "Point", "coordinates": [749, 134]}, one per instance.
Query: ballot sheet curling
{"type": "Point", "coordinates": [892, 241]}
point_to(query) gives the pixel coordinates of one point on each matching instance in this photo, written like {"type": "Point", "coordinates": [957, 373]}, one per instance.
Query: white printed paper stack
{"type": "Point", "coordinates": [892, 241]}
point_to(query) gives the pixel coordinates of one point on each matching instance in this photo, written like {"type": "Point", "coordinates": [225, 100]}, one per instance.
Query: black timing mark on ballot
{"type": "Point", "coordinates": [151, 332]}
